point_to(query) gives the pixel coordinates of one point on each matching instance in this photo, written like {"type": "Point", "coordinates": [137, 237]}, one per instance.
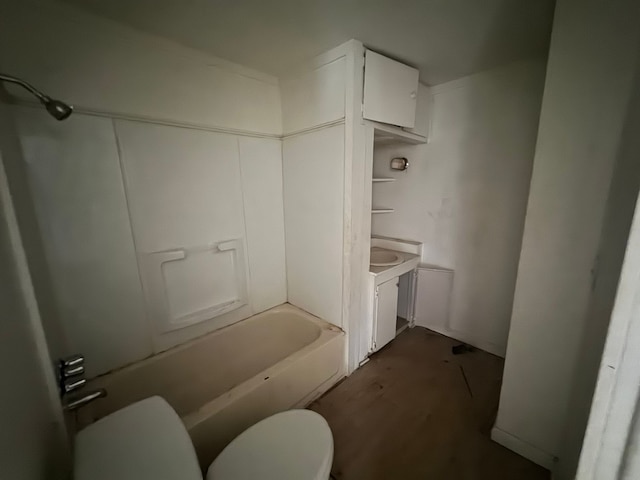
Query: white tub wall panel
{"type": "Point", "coordinates": [183, 186]}
{"type": "Point", "coordinates": [261, 169]}
{"type": "Point", "coordinates": [184, 190]}
{"type": "Point", "coordinates": [313, 165]}
{"type": "Point", "coordinates": [100, 65]}
{"type": "Point", "coordinates": [74, 174]}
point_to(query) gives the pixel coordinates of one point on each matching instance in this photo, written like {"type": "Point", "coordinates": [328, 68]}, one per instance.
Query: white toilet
{"type": "Point", "coordinates": [148, 441]}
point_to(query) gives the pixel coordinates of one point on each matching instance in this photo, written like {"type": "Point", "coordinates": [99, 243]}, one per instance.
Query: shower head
{"type": "Point", "coordinates": [58, 110]}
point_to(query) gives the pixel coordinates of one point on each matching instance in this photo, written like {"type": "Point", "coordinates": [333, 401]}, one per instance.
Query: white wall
{"type": "Point", "coordinates": [33, 441]}
{"type": "Point", "coordinates": [592, 63]}
{"type": "Point", "coordinates": [464, 194]}
{"type": "Point", "coordinates": [610, 448]}
{"type": "Point", "coordinates": [99, 65]}
{"type": "Point", "coordinates": [70, 190]}
{"type": "Point", "coordinates": [620, 207]}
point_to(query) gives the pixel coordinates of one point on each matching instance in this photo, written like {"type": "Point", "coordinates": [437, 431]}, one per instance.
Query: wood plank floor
{"type": "Point", "coordinates": [416, 411]}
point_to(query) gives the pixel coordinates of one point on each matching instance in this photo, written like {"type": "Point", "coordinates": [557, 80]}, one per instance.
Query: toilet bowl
{"type": "Point", "coordinates": [148, 441]}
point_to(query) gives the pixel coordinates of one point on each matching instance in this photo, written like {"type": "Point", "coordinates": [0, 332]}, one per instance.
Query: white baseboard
{"type": "Point", "coordinates": [523, 448]}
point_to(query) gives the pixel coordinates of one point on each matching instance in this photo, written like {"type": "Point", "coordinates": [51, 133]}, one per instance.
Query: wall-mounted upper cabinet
{"type": "Point", "coordinates": [390, 91]}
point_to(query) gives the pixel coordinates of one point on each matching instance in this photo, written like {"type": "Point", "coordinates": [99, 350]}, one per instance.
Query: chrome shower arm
{"type": "Point", "coordinates": [8, 78]}
{"type": "Point", "coordinates": [58, 110]}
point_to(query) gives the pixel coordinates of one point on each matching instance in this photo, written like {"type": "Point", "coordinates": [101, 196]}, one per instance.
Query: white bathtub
{"type": "Point", "coordinates": [225, 381]}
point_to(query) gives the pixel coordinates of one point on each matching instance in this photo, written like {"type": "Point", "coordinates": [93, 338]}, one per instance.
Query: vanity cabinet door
{"type": "Point", "coordinates": [386, 309]}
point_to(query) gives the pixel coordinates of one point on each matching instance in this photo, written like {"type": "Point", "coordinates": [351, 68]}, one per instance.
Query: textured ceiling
{"type": "Point", "coordinates": [445, 39]}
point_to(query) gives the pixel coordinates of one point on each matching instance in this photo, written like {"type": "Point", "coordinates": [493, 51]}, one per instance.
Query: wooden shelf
{"type": "Point", "coordinates": [382, 180]}
{"type": "Point", "coordinates": [382, 210]}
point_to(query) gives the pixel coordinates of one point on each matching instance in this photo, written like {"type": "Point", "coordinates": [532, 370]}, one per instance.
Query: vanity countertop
{"type": "Point", "coordinates": [382, 274]}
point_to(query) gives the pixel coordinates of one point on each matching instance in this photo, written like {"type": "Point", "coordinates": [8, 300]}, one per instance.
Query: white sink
{"type": "Point", "coordinates": [384, 258]}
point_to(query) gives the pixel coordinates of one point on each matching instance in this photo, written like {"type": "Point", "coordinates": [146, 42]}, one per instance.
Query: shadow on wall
{"type": "Point", "coordinates": [621, 201]}
{"type": "Point", "coordinates": [32, 237]}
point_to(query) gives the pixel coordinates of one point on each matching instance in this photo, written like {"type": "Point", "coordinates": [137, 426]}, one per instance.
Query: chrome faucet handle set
{"type": "Point", "coordinates": [71, 378]}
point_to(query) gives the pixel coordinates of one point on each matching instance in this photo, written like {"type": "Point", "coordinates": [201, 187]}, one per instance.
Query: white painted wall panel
{"type": "Point", "coordinates": [261, 164]}
{"type": "Point", "coordinates": [74, 174]}
{"type": "Point", "coordinates": [313, 205]}
{"type": "Point", "coordinates": [98, 64]}
{"type": "Point", "coordinates": [314, 97]}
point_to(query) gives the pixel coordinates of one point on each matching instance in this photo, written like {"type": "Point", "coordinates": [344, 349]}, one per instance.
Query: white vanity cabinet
{"type": "Point", "coordinates": [385, 313]}
{"type": "Point", "coordinates": [390, 259]}
{"type": "Point", "coordinates": [390, 91]}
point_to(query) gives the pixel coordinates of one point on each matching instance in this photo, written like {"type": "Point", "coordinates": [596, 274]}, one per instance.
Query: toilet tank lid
{"type": "Point", "coordinates": [144, 441]}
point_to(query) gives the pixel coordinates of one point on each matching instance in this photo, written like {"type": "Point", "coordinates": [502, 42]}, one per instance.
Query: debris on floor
{"type": "Point", "coordinates": [466, 381]}
{"type": "Point", "coordinates": [462, 348]}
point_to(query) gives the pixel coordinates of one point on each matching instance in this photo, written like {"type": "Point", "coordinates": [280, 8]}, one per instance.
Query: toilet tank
{"type": "Point", "coordinates": [144, 441]}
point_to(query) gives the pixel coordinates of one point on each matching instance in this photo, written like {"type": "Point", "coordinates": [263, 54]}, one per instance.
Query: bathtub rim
{"type": "Point", "coordinates": [138, 364]}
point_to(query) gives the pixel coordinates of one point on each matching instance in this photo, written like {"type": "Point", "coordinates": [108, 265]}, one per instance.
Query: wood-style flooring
{"type": "Point", "coordinates": [416, 411]}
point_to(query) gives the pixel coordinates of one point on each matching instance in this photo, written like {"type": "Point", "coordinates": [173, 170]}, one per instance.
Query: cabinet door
{"type": "Point", "coordinates": [385, 313]}
{"type": "Point", "coordinates": [390, 91]}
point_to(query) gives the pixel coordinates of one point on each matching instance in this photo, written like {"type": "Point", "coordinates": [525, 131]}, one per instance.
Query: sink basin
{"type": "Point", "coordinates": [384, 258]}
